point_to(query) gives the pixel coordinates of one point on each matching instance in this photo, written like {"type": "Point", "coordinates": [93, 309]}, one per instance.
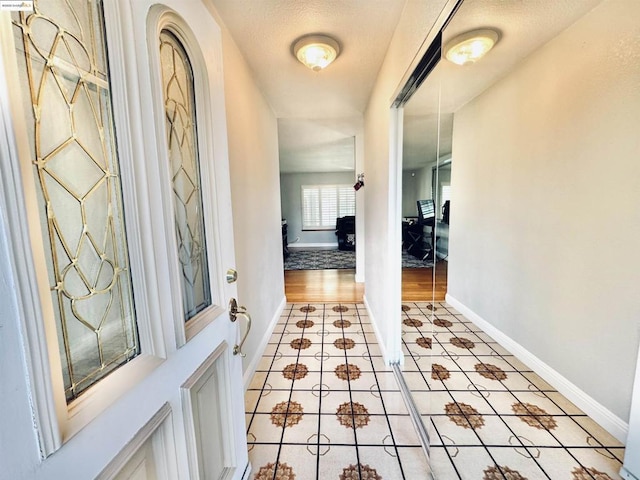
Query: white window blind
{"type": "Point", "coordinates": [446, 193]}
{"type": "Point", "coordinates": [322, 204]}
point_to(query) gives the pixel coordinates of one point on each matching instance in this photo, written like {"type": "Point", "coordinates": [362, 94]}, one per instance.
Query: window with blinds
{"type": "Point", "coordinates": [322, 204]}
{"type": "Point", "coordinates": [446, 193]}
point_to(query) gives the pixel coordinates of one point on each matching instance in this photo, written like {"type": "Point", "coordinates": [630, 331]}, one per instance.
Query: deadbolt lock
{"type": "Point", "coordinates": [232, 275]}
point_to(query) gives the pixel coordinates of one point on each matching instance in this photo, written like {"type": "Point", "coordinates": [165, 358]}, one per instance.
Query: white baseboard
{"type": "Point", "coordinates": [374, 324]}
{"type": "Point", "coordinates": [359, 277]}
{"type": "Point", "coordinates": [603, 416]}
{"type": "Point", "coordinates": [380, 338]}
{"type": "Point", "coordinates": [251, 369]}
{"type": "Point", "coordinates": [627, 475]}
{"type": "Point", "coordinates": [313, 246]}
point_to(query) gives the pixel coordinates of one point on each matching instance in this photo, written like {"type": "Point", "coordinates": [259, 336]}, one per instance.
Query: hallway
{"type": "Point", "coordinates": [321, 387]}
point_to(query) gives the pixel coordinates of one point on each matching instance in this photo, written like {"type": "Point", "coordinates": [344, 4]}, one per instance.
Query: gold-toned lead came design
{"type": "Point", "coordinates": [180, 111]}
{"type": "Point", "coordinates": [62, 66]}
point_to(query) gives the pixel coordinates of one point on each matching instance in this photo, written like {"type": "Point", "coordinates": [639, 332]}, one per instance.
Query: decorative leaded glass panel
{"type": "Point", "coordinates": [179, 104]}
{"type": "Point", "coordinates": [63, 70]}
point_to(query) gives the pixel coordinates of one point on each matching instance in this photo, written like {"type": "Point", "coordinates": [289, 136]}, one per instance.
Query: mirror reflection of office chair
{"type": "Point", "coordinates": [415, 238]}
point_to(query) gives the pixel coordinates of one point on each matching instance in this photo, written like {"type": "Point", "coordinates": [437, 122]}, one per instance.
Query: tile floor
{"type": "Point", "coordinates": [491, 416]}
{"type": "Point", "coordinates": [322, 405]}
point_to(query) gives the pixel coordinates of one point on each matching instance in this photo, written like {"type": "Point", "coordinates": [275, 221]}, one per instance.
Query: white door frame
{"type": "Point", "coordinates": [147, 402]}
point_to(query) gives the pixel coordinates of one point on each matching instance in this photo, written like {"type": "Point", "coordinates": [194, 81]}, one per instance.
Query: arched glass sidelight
{"type": "Point", "coordinates": [182, 143]}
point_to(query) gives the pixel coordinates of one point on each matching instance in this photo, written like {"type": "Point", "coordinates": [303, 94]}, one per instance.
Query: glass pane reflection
{"type": "Point", "coordinates": [179, 104]}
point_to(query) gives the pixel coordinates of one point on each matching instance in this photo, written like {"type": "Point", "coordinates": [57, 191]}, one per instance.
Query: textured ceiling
{"type": "Point", "coordinates": [264, 30]}
{"type": "Point", "coordinates": [320, 112]}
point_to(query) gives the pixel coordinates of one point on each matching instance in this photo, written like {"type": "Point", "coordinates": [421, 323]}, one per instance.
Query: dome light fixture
{"type": "Point", "coordinates": [471, 46]}
{"type": "Point", "coordinates": [316, 51]}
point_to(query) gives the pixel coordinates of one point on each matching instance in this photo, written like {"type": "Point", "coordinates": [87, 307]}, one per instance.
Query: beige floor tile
{"type": "Point", "coordinates": [383, 460]}
{"type": "Point", "coordinates": [300, 459]}
{"type": "Point", "coordinates": [390, 444]}
{"type": "Point", "coordinates": [335, 460]}
{"type": "Point", "coordinates": [334, 432]}
{"type": "Point", "coordinates": [516, 460]}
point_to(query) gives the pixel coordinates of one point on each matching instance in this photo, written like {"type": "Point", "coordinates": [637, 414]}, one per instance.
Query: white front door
{"type": "Point", "coordinates": [116, 209]}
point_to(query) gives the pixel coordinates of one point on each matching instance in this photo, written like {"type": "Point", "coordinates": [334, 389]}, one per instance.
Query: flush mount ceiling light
{"type": "Point", "coordinates": [316, 51]}
{"type": "Point", "coordinates": [470, 47]}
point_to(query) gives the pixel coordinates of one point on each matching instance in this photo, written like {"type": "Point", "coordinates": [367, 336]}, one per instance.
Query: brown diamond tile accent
{"type": "Point", "coordinates": [534, 416]}
{"type": "Point", "coordinates": [304, 324]}
{"type": "Point", "coordinates": [439, 372]}
{"type": "Point", "coordinates": [462, 342]}
{"type": "Point", "coordinates": [492, 372]}
{"type": "Point", "coordinates": [271, 471]}
{"type": "Point", "coordinates": [289, 412]}
{"type": "Point", "coordinates": [582, 473]}
{"type": "Point", "coordinates": [342, 323]}
{"type": "Point", "coordinates": [308, 309]}
{"type": "Point", "coordinates": [406, 308]}
{"type": "Point", "coordinates": [340, 308]}
{"type": "Point", "coordinates": [359, 472]}
{"type": "Point", "coordinates": [344, 343]}
{"type": "Point", "coordinates": [412, 322]}
{"type": "Point", "coordinates": [300, 343]}
{"type": "Point", "coordinates": [352, 412]}
{"type": "Point", "coordinates": [464, 415]}
{"type": "Point", "coordinates": [348, 371]}
{"type": "Point", "coordinates": [441, 322]}
{"type": "Point", "coordinates": [432, 308]}
{"type": "Point", "coordinates": [295, 371]}
{"type": "Point", "coordinates": [493, 473]}
{"type": "Point", "coordinates": [424, 342]}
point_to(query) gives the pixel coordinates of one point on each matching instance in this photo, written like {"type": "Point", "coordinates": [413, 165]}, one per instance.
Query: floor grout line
{"type": "Point", "coordinates": [522, 442]}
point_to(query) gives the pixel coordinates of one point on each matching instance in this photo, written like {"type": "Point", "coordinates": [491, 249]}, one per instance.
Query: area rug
{"type": "Point", "coordinates": [337, 259]}
{"type": "Point", "coordinates": [320, 260]}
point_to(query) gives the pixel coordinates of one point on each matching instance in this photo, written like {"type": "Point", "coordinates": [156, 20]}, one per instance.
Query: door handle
{"type": "Point", "coordinates": [234, 311]}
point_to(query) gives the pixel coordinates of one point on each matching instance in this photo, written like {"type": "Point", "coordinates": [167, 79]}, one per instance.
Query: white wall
{"type": "Point", "coordinates": [545, 228]}
{"type": "Point", "coordinates": [424, 185]}
{"type": "Point", "coordinates": [291, 198]}
{"type": "Point", "coordinates": [382, 213]}
{"type": "Point", "coordinates": [416, 185]}
{"type": "Point", "coordinates": [409, 193]}
{"type": "Point", "coordinates": [255, 191]}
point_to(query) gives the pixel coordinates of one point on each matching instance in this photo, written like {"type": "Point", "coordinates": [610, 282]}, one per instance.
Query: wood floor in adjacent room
{"type": "Point", "coordinates": [340, 285]}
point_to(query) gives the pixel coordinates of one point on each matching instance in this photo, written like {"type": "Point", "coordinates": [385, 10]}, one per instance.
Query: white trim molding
{"type": "Point", "coordinates": [310, 246]}
{"type": "Point", "coordinates": [163, 17]}
{"type": "Point", "coordinates": [257, 355]}
{"type": "Point", "coordinates": [160, 430]}
{"type": "Point", "coordinates": [598, 412]}
{"type": "Point", "coordinates": [398, 356]}
{"type": "Point", "coordinates": [631, 468]}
